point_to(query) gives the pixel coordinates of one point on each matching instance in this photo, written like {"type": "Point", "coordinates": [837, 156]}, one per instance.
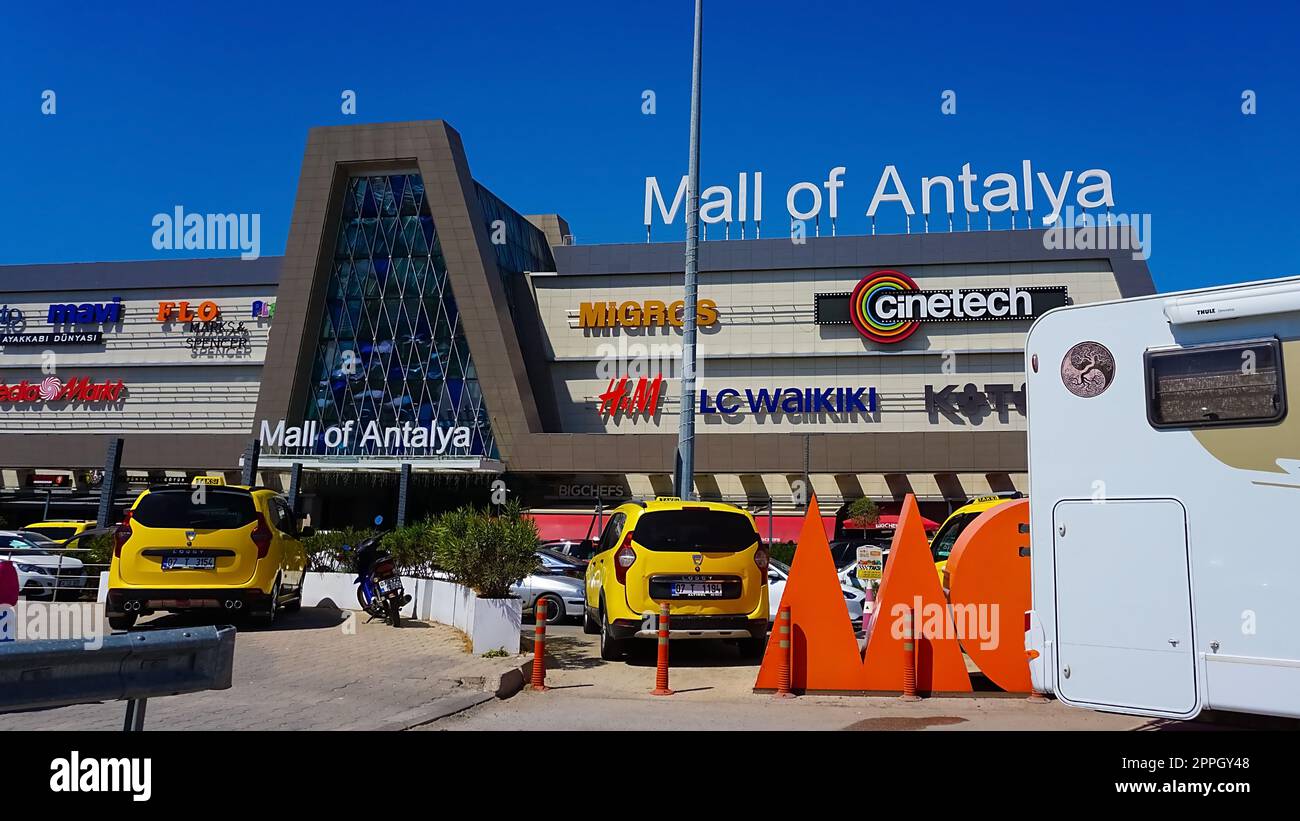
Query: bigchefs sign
{"type": "Point", "coordinates": [888, 307]}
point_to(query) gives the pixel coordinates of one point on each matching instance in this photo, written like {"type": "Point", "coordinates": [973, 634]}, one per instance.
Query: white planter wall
{"type": "Point", "coordinates": [490, 623]}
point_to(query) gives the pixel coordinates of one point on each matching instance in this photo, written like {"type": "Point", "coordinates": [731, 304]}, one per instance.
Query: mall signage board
{"type": "Point", "coordinates": [49, 338]}
{"type": "Point", "coordinates": [205, 311]}
{"type": "Point", "coordinates": [631, 397]}
{"type": "Point", "coordinates": [643, 314]}
{"type": "Point", "coordinates": [54, 389]}
{"type": "Point", "coordinates": [888, 306]}
{"type": "Point", "coordinates": [393, 438]}
{"type": "Point", "coordinates": [729, 401]}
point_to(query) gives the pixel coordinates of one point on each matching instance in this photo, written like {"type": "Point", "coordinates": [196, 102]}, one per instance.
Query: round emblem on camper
{"type": "Point", "coordinates": [1088, 369]}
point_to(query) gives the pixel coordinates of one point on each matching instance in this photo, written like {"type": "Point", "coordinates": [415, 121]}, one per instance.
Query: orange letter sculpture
{"type": "Point", "coordinates": [823, 645]}
{"type": "Point", "coordinates": [910, 582]}
{"type": "Point", "coordinates": [989, 567]}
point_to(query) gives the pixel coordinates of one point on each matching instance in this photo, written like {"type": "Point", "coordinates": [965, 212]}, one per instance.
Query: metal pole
{"type": "Point", "coordinates": [403, 488]}
{"type": "Point", "coordinates": [685, 468]}
{"type": "Point", "coordinates": [45, 514]}
{"type": "Point", "coordinates": [108, 487]}
{"type": "Point", "coordinates": [134, 722]}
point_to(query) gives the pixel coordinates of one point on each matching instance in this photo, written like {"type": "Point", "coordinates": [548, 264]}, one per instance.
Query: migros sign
{"type": "Point", "coordinates": [643, 314]}
{"type": "Point", "coordinates": [888, 306]}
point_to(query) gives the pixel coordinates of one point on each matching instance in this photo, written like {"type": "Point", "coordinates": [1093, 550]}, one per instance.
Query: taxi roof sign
{"type": "Point", "coordinates": [208, 480]}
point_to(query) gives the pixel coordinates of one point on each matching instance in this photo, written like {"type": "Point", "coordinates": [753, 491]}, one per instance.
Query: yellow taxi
{"type": "Point", "coordinates": [704, 558]}
{"type": "Point", "coordinates": [60, 530]}
{"type": "Point", "coordinates": [946, 537]}
{"type": "Point", "coordinates": [208, 545]}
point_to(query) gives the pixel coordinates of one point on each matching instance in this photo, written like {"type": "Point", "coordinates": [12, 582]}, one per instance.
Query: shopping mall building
{"type": "Point", "coordinates": [416, 319]}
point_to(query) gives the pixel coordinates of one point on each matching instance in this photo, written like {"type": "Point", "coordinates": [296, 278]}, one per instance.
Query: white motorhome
{"type": "Point", "coordinates": [1164, 459]}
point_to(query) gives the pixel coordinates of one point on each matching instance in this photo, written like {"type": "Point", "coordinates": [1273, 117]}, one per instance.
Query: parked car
{"type": "Point", "coordinates": [778, 573]}
{"type": "Point", "coordinates": [239, 549]}
{"type": "Point", "coordinates": [561, 563]}
{"type": "Point", "coordinates": [581, 550]}
{"type": "Point", "coordinates": [563, 595]}
{"type": "Point", "coordinates": [60, 530]}
{"type": "Point", "coordinates": [706, 558]}
{"type": "Point", "coordinates": [41, 573]}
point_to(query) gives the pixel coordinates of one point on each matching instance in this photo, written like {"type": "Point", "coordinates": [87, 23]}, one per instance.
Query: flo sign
{"type": "Point", "coordinates": [888, 306]}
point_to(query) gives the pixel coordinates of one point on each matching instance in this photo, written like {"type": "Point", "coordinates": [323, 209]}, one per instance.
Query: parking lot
{"type": "Point", "coordinates": [713, 687]}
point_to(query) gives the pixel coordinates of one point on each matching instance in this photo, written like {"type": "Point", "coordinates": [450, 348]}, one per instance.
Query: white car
{"type": "Point", "coordinates": [40, 572]}
{"type": "Point", "coordinates": [778, 573]}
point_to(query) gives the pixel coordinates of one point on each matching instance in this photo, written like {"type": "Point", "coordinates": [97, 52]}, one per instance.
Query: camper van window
{"type": "Point", "coordinates": [1214, 385]}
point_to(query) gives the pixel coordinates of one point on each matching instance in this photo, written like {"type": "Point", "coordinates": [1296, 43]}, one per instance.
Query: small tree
{"type": "Point", "coordinates": [863, 513]}
{"type": "Point", "coordinates": [486, 553]}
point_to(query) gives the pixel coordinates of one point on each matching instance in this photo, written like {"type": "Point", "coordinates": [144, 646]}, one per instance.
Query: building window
{"type": "Point", "coordinates": [1236, 383]}
{"type": "Point", "coordinates": [391, 348]}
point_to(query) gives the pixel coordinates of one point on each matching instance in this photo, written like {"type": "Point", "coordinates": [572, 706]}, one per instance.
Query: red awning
{"type": "Point", "coordinates": [787, 528]}
{"type": "Point", "coordinates": [566, 526]}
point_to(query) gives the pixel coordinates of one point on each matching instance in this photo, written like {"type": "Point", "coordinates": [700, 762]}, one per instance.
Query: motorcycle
{"type": "Point", "coordinates": [379, 585]}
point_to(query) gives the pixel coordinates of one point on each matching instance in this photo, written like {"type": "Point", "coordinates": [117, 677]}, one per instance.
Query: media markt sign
{"type": "Point", "coordinates": [53, 389]}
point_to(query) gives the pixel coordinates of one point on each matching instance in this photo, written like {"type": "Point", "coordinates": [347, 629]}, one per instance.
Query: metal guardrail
{"type": "Point", "coordinates": [130, 667]}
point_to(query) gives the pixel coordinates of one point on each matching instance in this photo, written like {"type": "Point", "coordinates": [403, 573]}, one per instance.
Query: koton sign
{"type": "Point", "coordinates": [888, 306]}
{"type": "Point", "coordinates": [53, 389]}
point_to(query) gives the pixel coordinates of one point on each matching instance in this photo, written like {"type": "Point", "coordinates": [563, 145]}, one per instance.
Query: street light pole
{"type": "Point", "coordinates": [684, 478]}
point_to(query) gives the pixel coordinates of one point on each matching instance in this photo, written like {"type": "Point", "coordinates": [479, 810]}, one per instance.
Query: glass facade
{"type": "Point", "coordinates": [391, 349]}
{"type": "Point", "coordinates": [520, 246]}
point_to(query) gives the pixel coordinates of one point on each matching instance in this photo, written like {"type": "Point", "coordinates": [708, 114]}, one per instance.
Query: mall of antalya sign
{"type": "Point", "coordinates": [403, 437]}
{"type": "Point", "coordinates": [1001, 191]}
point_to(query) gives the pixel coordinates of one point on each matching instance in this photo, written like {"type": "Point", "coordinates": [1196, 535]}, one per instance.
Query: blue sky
{"type": "Point", "coordinates": [207, 106]}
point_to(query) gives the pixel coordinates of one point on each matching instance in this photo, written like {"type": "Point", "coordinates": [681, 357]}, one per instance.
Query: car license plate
{"type": "Point", "coordinates": [69, 581]}
{"type": "Point", "coordinates": [698, 589]}
{"type": "Point", "coordinates": [389, 585]}
{"type": "Point", "coordinates": [189, 562]}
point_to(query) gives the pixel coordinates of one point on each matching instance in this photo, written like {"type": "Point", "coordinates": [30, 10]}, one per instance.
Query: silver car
{"type": "Point", "coordinates": [563, 595]}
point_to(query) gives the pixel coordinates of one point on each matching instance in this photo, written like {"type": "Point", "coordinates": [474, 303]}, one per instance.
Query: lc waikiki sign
{"type": "Point", "coordinates": [888, 306]}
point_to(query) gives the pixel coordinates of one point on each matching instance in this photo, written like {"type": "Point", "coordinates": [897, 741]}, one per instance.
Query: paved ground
{"type": "Point", "coordinates": [310, 672]}
{"type": "Point", "coordinates": [714, 691]}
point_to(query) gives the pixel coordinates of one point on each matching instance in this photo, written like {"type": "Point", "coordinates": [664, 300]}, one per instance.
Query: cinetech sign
{"type": "Point", "coordinates": [888, 307]}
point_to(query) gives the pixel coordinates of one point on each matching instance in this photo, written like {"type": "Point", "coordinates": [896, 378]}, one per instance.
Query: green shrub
{"type": "Point", "coordinates": [325, 550]}
{"type": "Point", "coordinates": [484, 552]}
{"type": "Point", "coordinates": [98, 549]}
{"type": "Point", "coordinates": [782, 551]}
